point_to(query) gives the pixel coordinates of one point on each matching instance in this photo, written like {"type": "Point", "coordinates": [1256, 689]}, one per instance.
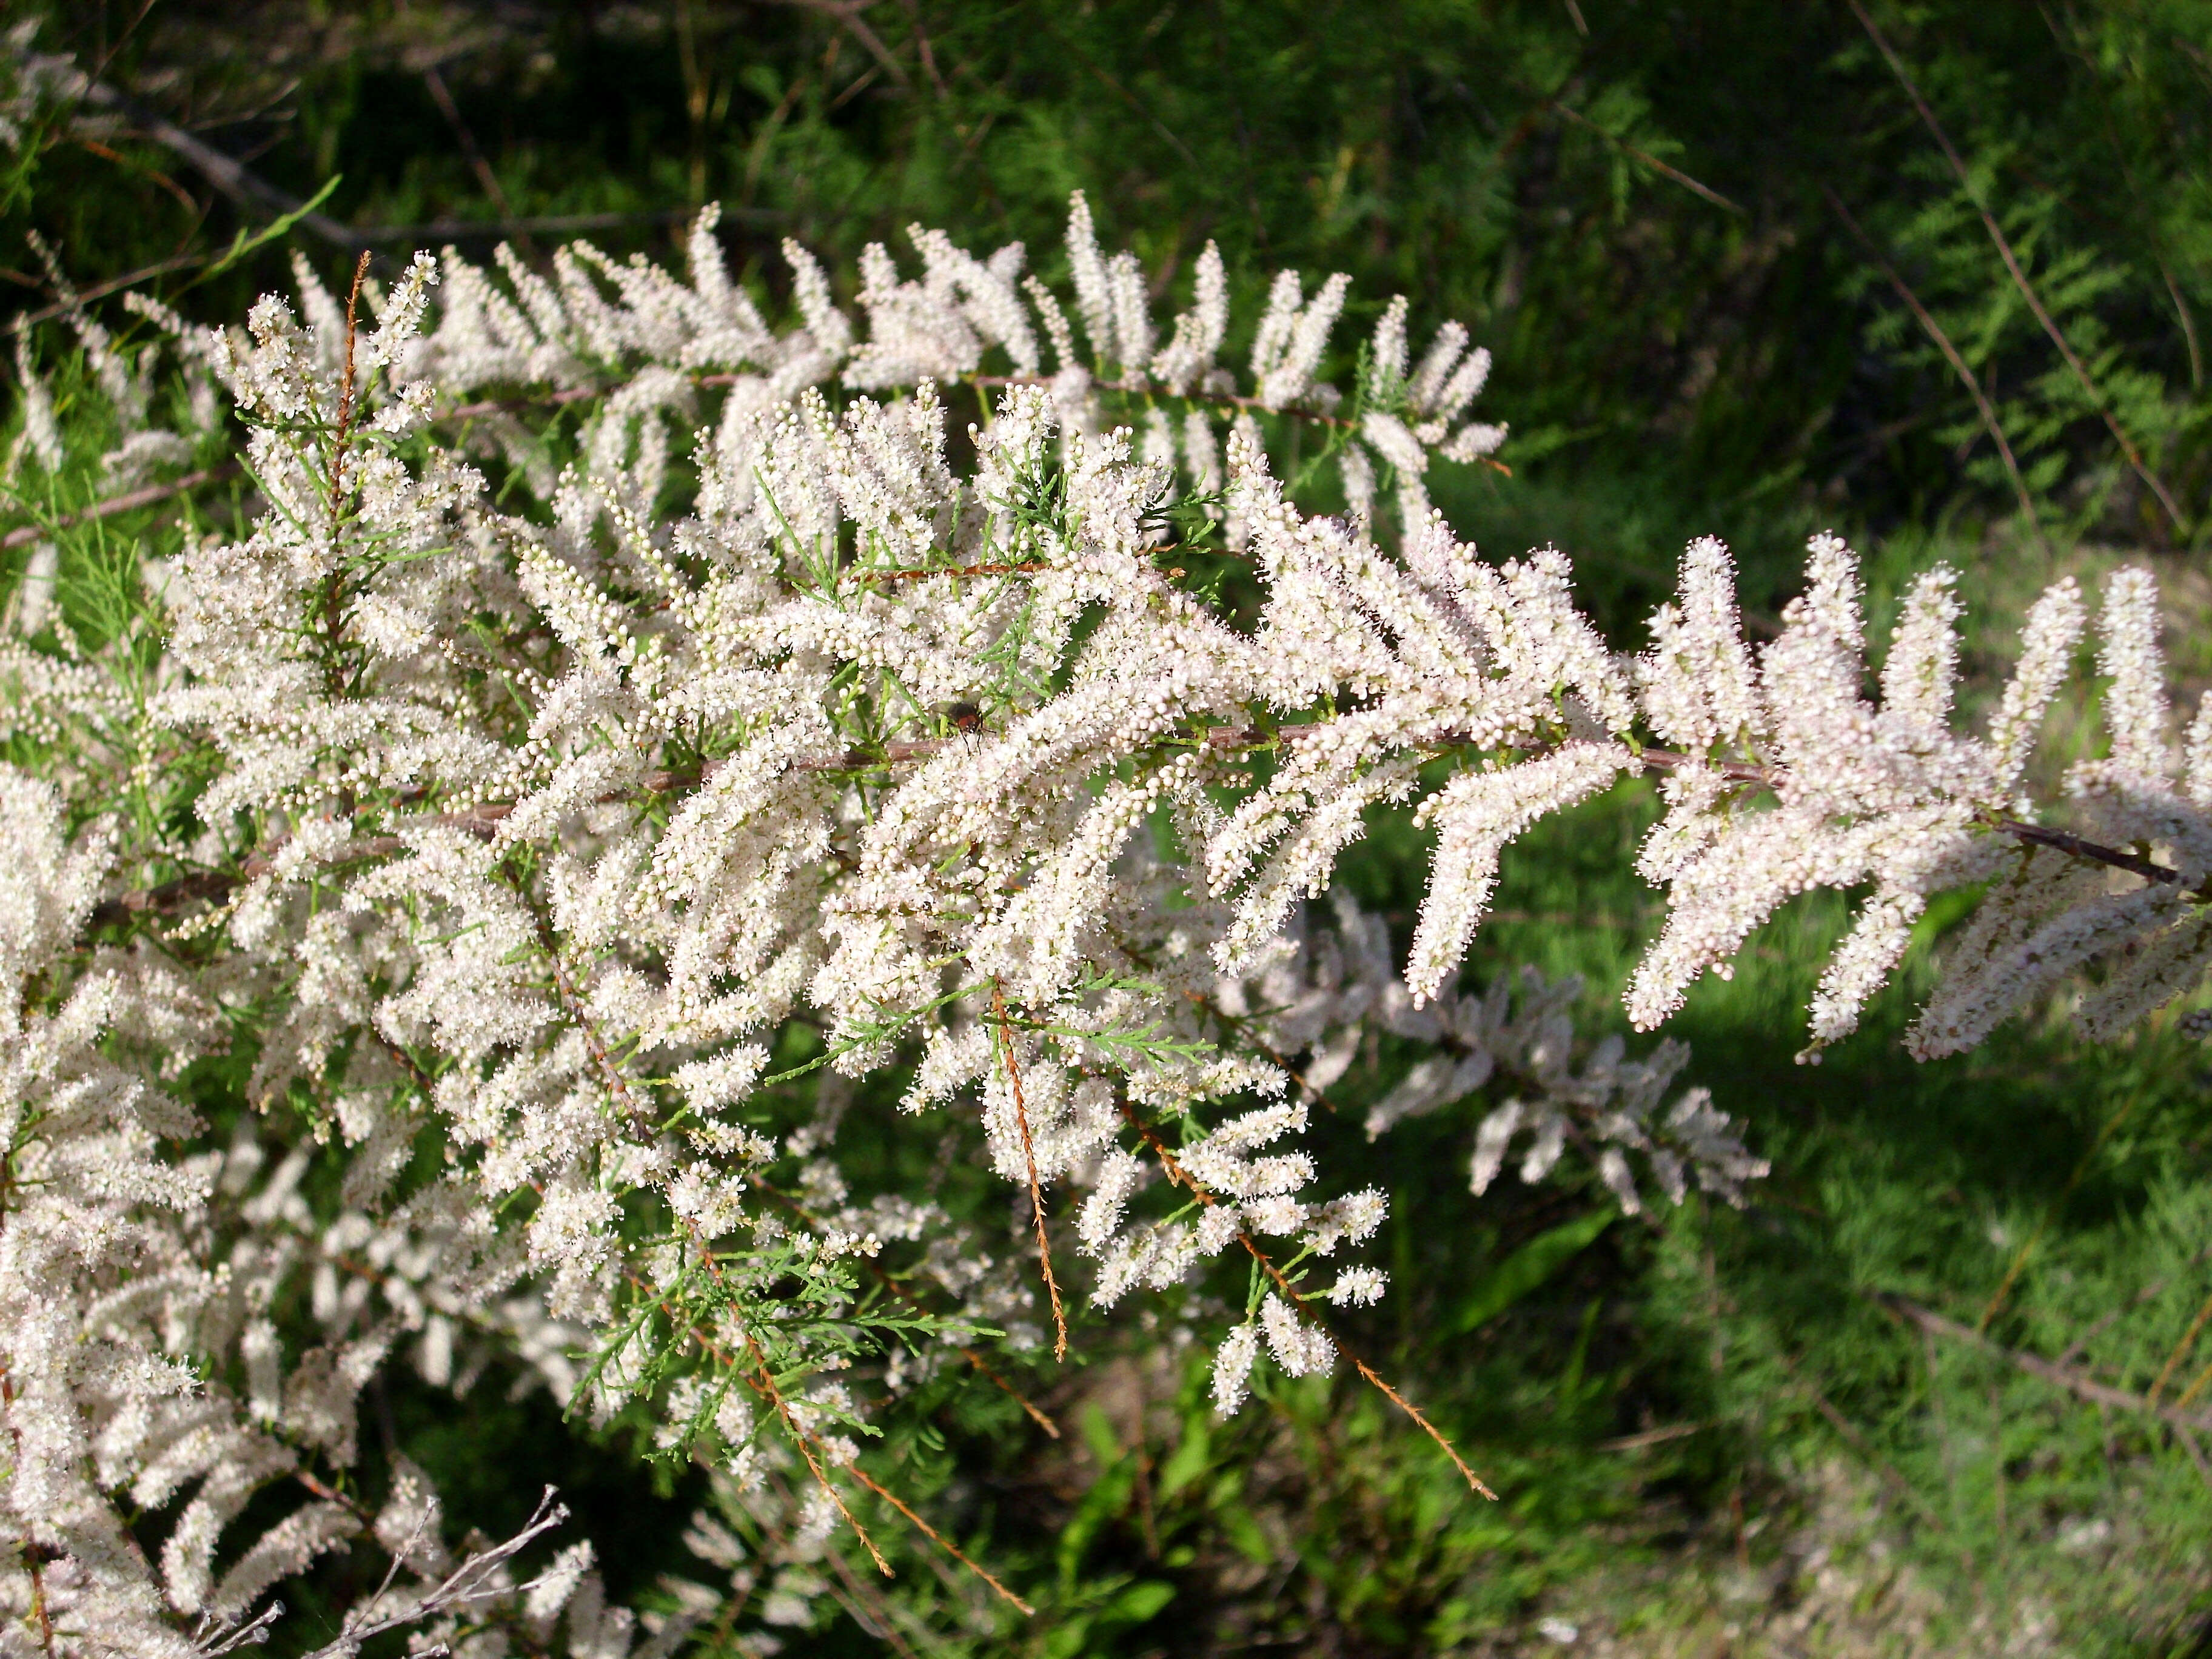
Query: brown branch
{"type": "Point", "coordinates": [1178, 1175]}
{"type": "Point", "coordinates": [2195, 1388]}
{"type": "Point", "coordinates": [848, 14]}
{"type": "Point", "coordinates": [2041, 835]}
{"type": "Point", "coordinates": [1036, 1413]}
{"type": "Point", "coordinates": [1934, 331]}
{"type": "Point", "coordinates": [1029, 1155]}
{"type": "Point", "coordinates": [130, 501]}
{"type": "Point", "coordinates": [916, 573]}
{"type": "Point", "coordinates": [1652, 161]}
{"type": "Point", "coordinates": [347, 393]}
{"type": "Point", "coordinates": [2075, 847]}
{"type": "Point", "coordinates": [2180, 1351]}
{"type": "Point", "coordinates": [234, 180]}
{"type": "Point", "coordinates": [215, 886]}
{"type": "Point", "coordinates": [2020, 277]}
{"type": "Point", "coordinates": [114, 284]}
{"type": "Point", "coordinates": [1130, 388]}
{"type": "Point", "coordinates": [935, 1536]}
{"type": "Point", "coordinates": [766, 1384]}
{"type": "Point", "coordinates": [441, 95]}
{"type": "Point", "coordinates": [2081, 1387]}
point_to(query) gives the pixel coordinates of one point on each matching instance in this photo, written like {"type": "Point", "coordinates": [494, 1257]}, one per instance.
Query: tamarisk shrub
{"type": "Point", "coordinates": [621, 729]}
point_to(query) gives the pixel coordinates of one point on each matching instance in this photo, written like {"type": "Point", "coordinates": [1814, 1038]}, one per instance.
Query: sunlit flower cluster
{"type": "Point", "coordinates": [576, 823]}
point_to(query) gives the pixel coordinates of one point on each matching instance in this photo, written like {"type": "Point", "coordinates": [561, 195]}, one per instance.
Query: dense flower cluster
{"type": "Point", "coordinates": [567, 828]}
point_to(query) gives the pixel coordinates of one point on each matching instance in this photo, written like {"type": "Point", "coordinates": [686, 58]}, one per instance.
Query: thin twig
{"type": "Point", "coordinates": [554, 224]}
{"type": "Point", "coordinates": [2195, 1388]}
{"type": "Point", "coordinates": [442, 96]}
{"type": "Point", "coordinates": [2082, 1387]}
{"type": "Point", "coordinates": [1652, 161]}
{"type": "Point", "coordinates": [1036, 1413]}
{"type": "Point", "coordinates": [2019, 276]}
{"type": "Point", "coordinates": [1028, 1155]}
{"type": "Point", "coordinates": [935, 1536]}
{"type": "Point", "coordinates": [234, 179]}
{"type": "Point", "coordinates": [113, 285]}
{"type": "Point", "coordinates": [767, 1385]}
{"type": "Point", "coordinates": [916, 573]}
{"type": "Point", "coordinates": [217, 885]}
{"type": "Point", "coordinates": [130, 501]}
{"type": "Point", "coordinates": [1649, 1437]}
{"type": "Point", "coordinates": [848, 14]}
{"type": "Point", "coordinates": [2080, 1345]}
{"type": "Point", "coordinates": [2180, 1351]}
{"type": "Point", "coordinates": [1934, 331]}
{"type": "Point", "coordinates": [347, 391]}
{"type": "Point", "coordinates": [1178, 1175]}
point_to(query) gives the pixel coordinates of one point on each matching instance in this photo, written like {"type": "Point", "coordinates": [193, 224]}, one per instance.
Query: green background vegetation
{"type": "Point", "coordinates": [1695, 234]}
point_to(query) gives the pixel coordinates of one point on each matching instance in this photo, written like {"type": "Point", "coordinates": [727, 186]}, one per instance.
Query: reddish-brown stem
{"type": "Point", "coordinates": [1028, 1155]}
{"type": "Point", "coordinates": [129, 502]}
{"type": "Point", "coordinates": [766, 1384]}
{"type": "Point", "coordinates": [1178, 1175]}
{"type": "Point", "coordinates": [935, 1536]}
{"type": "Point", "coordinates": [2080, 370]}
{"type": "Point", "coordinates": [1951, 355]}
{"type": "Point", "coordinates": [346, 391]}
{"type": "Point", "coordinates": [1036, 1413]}
{"type": "Point", "coordinates": [215, 886]}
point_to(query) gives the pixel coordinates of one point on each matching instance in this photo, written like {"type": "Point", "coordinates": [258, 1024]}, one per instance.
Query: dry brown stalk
{"type": "Point", "coordinates": [347, 391]}
{"type": "Point", "coordinates": [1652, 161]}
{"type": "Point", "coordinates": [1029, 1155]}
{"type": "Point", "coordinates": [2189, 1394]}
{"type": "Point", "coordinates": [1951, 354]}
{"type": "Point", "coordinates": [2082, 1387]}
{"type": "Point", "coordinates": [2180, 1351]}
{"type": "Point", "coordinates": [2012, 264]}
{"type": "Point", "coordinates": [766, 1384]}
{"type": "Point", "coordinates": [1036, 1413]}
{"type": "Point", "coordinates": [935, 1536]}
{"type": "Point", "coordinates": [916, 573]}
{"type": "Point", "coordinates": [1178, 1175]}
{"type": "Point", "coordinates": [130, 501]}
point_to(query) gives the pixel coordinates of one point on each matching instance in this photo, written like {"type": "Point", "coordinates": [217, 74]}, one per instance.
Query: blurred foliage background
{"type": "Point", "coordinates": [1937, 274]}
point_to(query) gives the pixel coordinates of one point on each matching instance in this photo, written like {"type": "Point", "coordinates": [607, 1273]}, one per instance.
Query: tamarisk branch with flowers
{"type": "Point", "coordinates": [563, 823]}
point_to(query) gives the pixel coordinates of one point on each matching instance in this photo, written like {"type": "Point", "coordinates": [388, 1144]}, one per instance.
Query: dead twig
{"type": "Point", "coordinates": [847, 15]}
{"type": "Point", "coordinates": [130, 501]}
{"type": "Point", "coordinates": [1028, 1155]}
{"type": "Point", "coordinates": [442, 96]}
{"type": "Point", "coordinates": [1934, 331]}
{"type": "Point", "coordinates": [1652, 161]}
{"type": "Point", "coordinates": [2180, 1351]}
{"type": "Point", "coordinates": [935, 1536]}
{"type": "Point", "coordinates": [232, 178]}
{"type": "Point", "coordinates": [1178, 1175]}
{"type": "Point", "coordinates": [2082, 1387]}
{"type": "Point", "coordinates": [2012, 264]}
